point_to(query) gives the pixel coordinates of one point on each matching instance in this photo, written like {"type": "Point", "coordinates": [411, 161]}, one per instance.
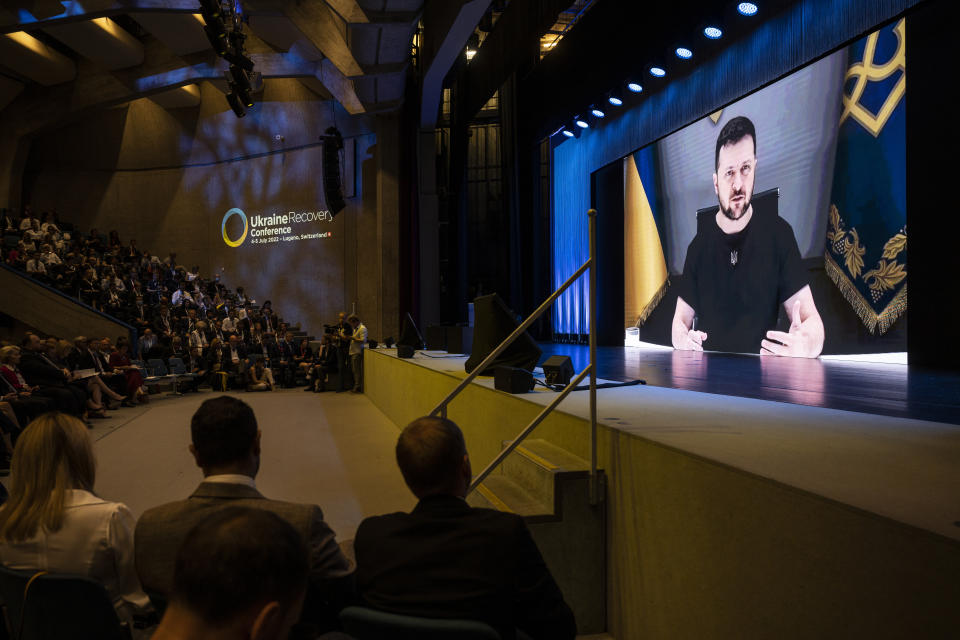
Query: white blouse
{"type": "Point", "coordinates": [96, 541]}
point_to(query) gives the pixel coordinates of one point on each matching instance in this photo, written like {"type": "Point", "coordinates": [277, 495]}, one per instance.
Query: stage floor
{"type": "Point", "coordinates": [900, 467]}
{"type": "Point", "coordinates": [894, 390]}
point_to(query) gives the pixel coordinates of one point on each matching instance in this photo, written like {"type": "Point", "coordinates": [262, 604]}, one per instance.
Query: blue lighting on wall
{"type": "Point", "coordinates": [714, 33]}
{"type": "Point", "coordinates": [747, 8]}
{"type": "Point", "coordinates": [657, 71]}
{"type": "Point", "coordinates": [636, 88]}
{"type": "Point", "coordinates": [683, 52]}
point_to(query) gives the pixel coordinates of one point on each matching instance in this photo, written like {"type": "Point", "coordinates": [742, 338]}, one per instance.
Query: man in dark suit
{"type": "Point", "coordinates": [53, 382]}
{"type": "Point", "coordinates": [226, 446]}
{"type": "Point", "coordinates": [446, 559]}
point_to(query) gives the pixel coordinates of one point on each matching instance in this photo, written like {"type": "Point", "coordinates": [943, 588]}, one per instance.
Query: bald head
{"type": "Point", "coordinates": [432, 457]}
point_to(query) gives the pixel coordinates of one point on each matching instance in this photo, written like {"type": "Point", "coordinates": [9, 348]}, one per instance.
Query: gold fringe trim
{"type": "Point", "coordinates": [654, 301]}
{"type": "Point", "coordinates": [872, 320]}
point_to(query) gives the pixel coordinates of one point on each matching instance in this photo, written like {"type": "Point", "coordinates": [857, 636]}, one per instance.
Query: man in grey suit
{"type": "Point", "coordinates": [226, 446]}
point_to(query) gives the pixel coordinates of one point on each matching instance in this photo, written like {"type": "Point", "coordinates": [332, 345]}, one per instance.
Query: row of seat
{"type": "Point", "coordinates": [47, 606]}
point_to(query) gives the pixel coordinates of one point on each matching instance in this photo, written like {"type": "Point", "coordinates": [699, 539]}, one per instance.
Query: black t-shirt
{"type": "Point", "coordinates": [737, 282]}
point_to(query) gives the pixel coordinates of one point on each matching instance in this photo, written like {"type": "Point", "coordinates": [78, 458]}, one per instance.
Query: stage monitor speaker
{"type": "Point", "coordinates": [558, 370]}
{"type": "Point", "coordinates": [436, 338]}
{"type": "Point", "coordinates": [493, 322]}
{"type": "Point", "coordinates": [332, 191]}
{"type": "Point", "coordinates": [409, 335]}
{"type": "Point", "coordinates": [459, 339]}
{"type": "Point", "coordinates": [512, 380]}
{"type": "Point", "coordinates": [405, 351]}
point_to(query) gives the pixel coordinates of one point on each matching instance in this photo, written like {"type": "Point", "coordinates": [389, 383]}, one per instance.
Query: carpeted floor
{"type": "Point", "coordinates": [335, 450]}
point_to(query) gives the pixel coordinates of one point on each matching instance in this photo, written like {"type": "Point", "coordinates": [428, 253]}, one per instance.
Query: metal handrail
{"type": "Point", "coordinates": [591, 369]}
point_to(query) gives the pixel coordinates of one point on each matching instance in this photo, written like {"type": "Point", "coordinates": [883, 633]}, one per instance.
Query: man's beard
{"type": "Point", "coordinates": [730, 213]}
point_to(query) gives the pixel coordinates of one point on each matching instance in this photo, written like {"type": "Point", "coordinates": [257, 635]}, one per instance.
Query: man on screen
{"type": "Point", "coordinates": [741, 265]}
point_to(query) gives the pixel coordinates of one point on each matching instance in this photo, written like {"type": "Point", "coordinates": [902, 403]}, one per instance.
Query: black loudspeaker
{"type": "Point", "coordinates": [405, 351]}
{"type": "Point", "coordinates": [409, 335]}
{"type": "Point", "coordinates": [512, 380]}
{"type": "Point", "coordinates": [459, 339]}
{"type": "Point", "coordinates": [436, 338]}
{"type": "Point", "coordinates": [558, 370]}
{"type": "Point", "coordinates": [332, 191]}
{"type": "Point", "coordinates": [492, 323]}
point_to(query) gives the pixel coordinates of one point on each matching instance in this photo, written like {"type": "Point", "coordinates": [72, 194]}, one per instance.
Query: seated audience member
{"type": "Point", "coordinates": [48, 380]}
{"type": "Point", "coordinates": [120, 361]}
{"type": "Point", "coordinates": [147, 344]}
{"type": "Point", "coordinates": [259, 377]}
{"type": "Point", "coordinates": [197, 365]}
{"type": "Point", "coordinates": [15, 390]}
{"type": "Point", "coordinates": [326, 363]}
{"type": "Point", "coordinates": [447, 559]}
{"type": "Point", "coordinates": [241, 574]}
{"type": "Point", "coordinates": [54, 522]}
{"type": "Point", "coordinates": [226, 446]}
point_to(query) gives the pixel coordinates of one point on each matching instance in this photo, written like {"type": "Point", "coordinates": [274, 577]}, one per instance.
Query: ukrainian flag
{"type": "Point", "coordinates": [645, 266]}
{"type": "Point", "coordinates": [866, 248]}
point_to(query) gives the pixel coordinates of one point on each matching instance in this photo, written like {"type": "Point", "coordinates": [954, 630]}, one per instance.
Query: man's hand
{"type": "Point", "coordinates": [693, 341]}
{"type": "Point", "coordinates": [683, 335]}
{"type": "Point", "coordinates": [796, 343]}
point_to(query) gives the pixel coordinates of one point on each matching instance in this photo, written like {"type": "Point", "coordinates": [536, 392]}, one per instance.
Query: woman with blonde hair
{"type": "Point", "coordinates": [54, 522]}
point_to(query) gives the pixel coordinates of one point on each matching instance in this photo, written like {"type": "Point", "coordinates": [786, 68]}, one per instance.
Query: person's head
{"type": "Point", "coordinates": [53, 455]}
{"type": "Point", "coordinates": [341, 316]}
{"type": "Point", "coordinates": [225, 438]}
{"type": "Point", "coordinates": [148, 333]}
{"type": "Point", "coordinates": [241, 572]}
{"type": "Point", "coordinates": [432, 457]}
{"type": "Point", "coordinates": [735, 167]}
{"type": "Point", "coordinates": [354, 320]}
{"type": "Point", "coordinates": [123, 344]}
{"type": "Point", "coordinates": [10, 355]}
{"type": "Point", "coordinates": [32, 342]}
{"type": "Point", "coordinates": [234, 340]}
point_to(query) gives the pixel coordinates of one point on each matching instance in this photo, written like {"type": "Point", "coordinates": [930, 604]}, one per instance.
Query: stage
{"type": "Point", "coordinates": [813, 470]}
{"type": "Point", "coordinates": [878, 388]}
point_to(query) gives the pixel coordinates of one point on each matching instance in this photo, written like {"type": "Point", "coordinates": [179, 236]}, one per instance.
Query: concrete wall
{"type": "Point", "coordinates": [51, 313]}
{"type": "Point", "coordinates": [168, 177]}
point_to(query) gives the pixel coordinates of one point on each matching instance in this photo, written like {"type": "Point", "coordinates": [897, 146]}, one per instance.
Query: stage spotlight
{"type": "Point", "coordinates": [216, 38]}
{"type": "Point", "coordinates": [572, 129]}
{"type": "Point", "coordinates": [597, 113]}
{"type": "Point", "coordinates": [239, 60]}
{"type": "Point", "coordinates": [580, 122]}
{"type": "Point", "coordinates": [567, 132]}
{"type": "Point", "coordinates": [635, 87]}
{"type": "Point", "coordinates": [747, 8]}
{"type": "Point", "coordinates": [683, 52]}
{"type": "Point", "coordinates": [234, 101]}
{"type": "Point", "coordinates": [238, 76]}
{"type": "Point", "coordinates": [714, 33]}
{"type": "Point", "coordinates": [657, 72]}
{"type": "Point", "coordinates": [210, 7]}
{"type": "Point", "coordinates": [614, 98]}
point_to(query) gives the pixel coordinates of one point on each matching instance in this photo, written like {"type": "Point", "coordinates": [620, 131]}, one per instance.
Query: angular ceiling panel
{"type": "Point", "coordinates": [101, 40]}
{"type": "Point", "coordinates": [182, 33]}
{"type": "Point", "coordinates": [179, 98]}
{"type": "Point", "coordinates": [29, 57]}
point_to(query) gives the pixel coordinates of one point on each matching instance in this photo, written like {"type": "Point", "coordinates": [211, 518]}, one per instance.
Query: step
{"type": "Point", "coordinates": [535, 465]}
{"type": "Point", "coordinates": [503, 494]}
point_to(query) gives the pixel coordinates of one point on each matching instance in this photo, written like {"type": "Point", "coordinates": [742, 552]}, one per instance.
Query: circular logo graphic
{"type": "Point", "coordinates": [223, 227]}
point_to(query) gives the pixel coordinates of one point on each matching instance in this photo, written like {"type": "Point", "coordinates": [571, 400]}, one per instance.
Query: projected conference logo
{"type": "Point", "coordinates": [292, 226]}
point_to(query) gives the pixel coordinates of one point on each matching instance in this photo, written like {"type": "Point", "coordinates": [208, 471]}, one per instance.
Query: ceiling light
{"type": "Point", "coordinates": [713, 33]}
{"type": "Point", "coordinates": [683, 52]}
{"type": "Point", "coordinates": [567, 132]}
{"type": "Point", "coordinates": [614, 98]}
{"type": "Point", "coordinates": [633, 86]}
{"type": "Point", "coordinates": [657, 71]}
{"type": "Point", "coordinates": [597, 113]}
{"type": "Point", "coordinates": [580, 122]}
{"type": "Point", "coordinates": [747, 8]}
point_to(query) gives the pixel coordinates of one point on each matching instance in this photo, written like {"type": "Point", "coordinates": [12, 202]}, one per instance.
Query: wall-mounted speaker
{"type": "Point", "coordinates": [332, 189]}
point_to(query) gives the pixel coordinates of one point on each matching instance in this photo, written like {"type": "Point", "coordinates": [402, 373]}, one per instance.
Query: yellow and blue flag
{"type": "Point", "coordinates": [866, 248]}
{"type": "Point", "coordinates": [645, 265]}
